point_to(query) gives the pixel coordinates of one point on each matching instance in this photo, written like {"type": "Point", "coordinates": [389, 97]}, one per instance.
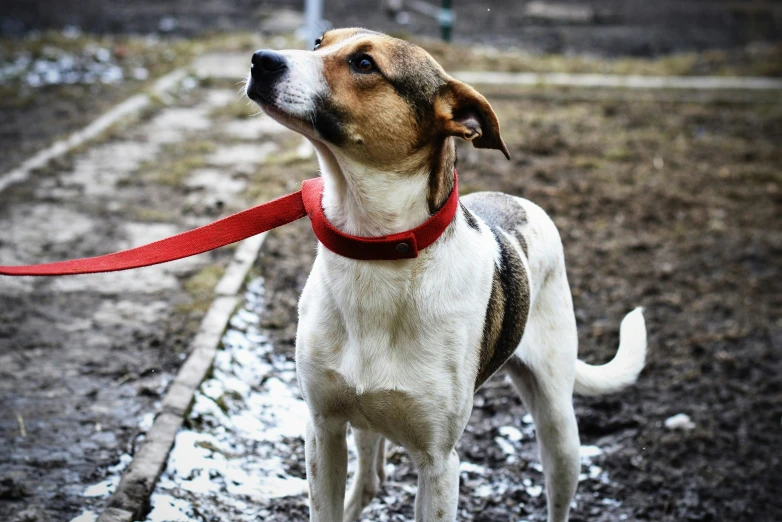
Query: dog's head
{"type": "Point", "coordinates": [378, 100]}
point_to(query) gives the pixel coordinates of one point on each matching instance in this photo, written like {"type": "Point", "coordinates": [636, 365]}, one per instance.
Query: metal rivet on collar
{"type": "Point", "coordinates": [402, 248]}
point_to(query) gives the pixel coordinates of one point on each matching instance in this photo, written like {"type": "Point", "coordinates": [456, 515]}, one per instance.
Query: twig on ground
{"type": "Point", "coordinates": [20, 421]}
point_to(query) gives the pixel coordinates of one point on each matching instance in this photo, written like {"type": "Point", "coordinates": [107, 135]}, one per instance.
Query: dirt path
{"type": "Point", "coordinates": [84, 359]}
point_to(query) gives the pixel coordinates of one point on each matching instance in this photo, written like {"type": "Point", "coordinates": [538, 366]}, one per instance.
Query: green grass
{"type": "Point", "coordinates": [176, 161]}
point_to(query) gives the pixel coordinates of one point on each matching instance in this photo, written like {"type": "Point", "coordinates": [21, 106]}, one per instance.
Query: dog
{"type": "Point", "coordinates": [397, 348]}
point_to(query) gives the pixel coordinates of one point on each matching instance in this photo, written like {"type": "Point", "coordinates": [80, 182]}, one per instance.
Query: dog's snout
{"type": "Point", "coordinates": [267, 62]}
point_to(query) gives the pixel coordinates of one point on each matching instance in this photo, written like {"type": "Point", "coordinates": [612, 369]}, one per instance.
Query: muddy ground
{"type": "Point", "coordinates": [670, 206]}
{"type": "Point", "coordinates": [606, 27]}
{"type": "Point", "coordinates": [144, 39]}
{"type": "Point", "coordinates": [84, 360]}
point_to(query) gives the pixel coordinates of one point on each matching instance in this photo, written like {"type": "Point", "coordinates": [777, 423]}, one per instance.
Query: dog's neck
{"type": "Point", "coordinates": [369, 202]}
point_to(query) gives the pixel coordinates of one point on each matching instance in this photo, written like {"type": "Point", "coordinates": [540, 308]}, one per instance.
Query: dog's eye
{"type": "Point", "coordinates": [365, 64]}
{"type": "Point", "coordinates": [318, 41]}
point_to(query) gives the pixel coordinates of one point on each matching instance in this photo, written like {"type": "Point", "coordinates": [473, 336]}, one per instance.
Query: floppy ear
{"type": "Point", "coordinates": [462, 111]}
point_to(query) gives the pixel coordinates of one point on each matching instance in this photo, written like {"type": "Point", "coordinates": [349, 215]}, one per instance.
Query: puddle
{"type": "Point", "coordinates": [86, 516]}
{"type": "Point", "coordinates": [104, 488]}
{"type": "Point", "coordinates": [242, 447]}
{"type": "Point", "coordinates": [241, 455]}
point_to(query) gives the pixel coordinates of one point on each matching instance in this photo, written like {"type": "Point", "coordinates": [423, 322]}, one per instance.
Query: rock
{"type": "Point", "coordinates": [680, 421]}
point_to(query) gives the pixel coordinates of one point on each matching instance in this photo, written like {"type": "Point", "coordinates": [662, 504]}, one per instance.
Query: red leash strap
{"type": "Point", "coordinates": [220, 233]}
{"type": "Point", "coordinates": [281, 211]}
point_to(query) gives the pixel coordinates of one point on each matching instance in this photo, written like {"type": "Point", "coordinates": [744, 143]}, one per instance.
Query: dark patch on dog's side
{"type": "Point", "coordinates": [500, 210]}
{"type": "Point", "coordinates": [328, 120]}
{"type": "Point", "coordinates": [469, 218]}
{"type": "Point", "coordinates": [506, 314]}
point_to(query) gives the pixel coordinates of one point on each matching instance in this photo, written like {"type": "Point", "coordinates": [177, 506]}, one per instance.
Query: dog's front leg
{"type": "Point", "coordinates": [438, 488]}
{"type": "Point", "coordinates": [326, 453]}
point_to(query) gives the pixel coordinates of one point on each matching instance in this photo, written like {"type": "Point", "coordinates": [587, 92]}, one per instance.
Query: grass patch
{"type": "Point", "coordinates": [177, 160]}
{"type": "Point", "coordinates": [766, 61]}
{"type": "Point", "coordinates": [200, 287]}
{"type": "Point", "coordinates": [152, 215]}
{"type": "Point", "coordinates": [239, 109]}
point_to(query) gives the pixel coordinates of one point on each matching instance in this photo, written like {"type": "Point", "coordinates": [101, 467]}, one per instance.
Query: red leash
{"type": "Point", "coordinates": [264, 217]}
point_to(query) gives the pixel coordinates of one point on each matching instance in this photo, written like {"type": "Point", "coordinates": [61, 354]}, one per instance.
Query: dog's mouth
{"type": "Point", "coordinates": [262, 97]}
{"type": "Point", "coordinates": [266, 98]}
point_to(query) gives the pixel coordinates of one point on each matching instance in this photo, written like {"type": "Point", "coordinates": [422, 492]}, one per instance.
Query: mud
{"type": "Point", "coordinates": [241, 454]}
{"type": "Point", "coordinates": [85, 359]}
{"type": "Point", "coordinates": [670, 206]}
{"type": "Point", "coordinates": [662, 201]}
{"type": "Point", "coordinates": [604, 27]}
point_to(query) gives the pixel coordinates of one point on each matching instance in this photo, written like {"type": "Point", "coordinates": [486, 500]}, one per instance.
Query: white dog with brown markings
{"type": "Point", "coordinates": [397, 348]}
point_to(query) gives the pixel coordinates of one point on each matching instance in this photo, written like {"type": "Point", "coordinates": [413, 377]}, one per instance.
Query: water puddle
{"type": "Point", "coordinates": [242, 447]}
{"type": "Point", "coordinates": [96, 494]}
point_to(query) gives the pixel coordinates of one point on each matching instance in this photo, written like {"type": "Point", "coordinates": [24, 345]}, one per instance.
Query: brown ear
{"type": "Point", "coordinates": [463, 112]}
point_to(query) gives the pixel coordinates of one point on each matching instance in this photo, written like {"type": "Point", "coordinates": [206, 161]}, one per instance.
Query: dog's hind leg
{"type": "Point", "coordinates": [370, 472]}
{"type": "Point", "coordinates": [543, 371]}
{"type": "Point", "coordinates": [380, 461]}
{"type": "Point", "coordinates": [326, 453]}
{"type": "Point", "coordinates": [557, 435]}
{"type": "Point", "coordinates": [438, 487]}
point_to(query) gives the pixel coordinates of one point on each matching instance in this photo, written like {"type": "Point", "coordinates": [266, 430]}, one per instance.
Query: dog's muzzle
{"type": "Point", "coordinates": [266, 69]}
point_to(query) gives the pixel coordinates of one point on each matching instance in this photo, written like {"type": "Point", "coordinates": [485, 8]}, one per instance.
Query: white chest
{"type": "Point", "coordinates": [413, 326]}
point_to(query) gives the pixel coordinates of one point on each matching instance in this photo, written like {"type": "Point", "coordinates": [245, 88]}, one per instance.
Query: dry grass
{"type": "Point", "coordinates": [765, 61]}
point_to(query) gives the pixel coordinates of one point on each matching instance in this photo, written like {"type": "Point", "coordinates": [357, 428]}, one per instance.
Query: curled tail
{"type": "Point", "coordinates": [624, 368]}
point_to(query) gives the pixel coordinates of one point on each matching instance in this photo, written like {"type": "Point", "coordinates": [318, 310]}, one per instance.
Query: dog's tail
{"type": "Point", "coordinates": [624, 368]}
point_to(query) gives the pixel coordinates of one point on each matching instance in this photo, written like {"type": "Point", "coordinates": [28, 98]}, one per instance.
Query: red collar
{"type": "Point", "coordinates": [281, 211]}
{"type": "Point", "coordinates": [403, 245]}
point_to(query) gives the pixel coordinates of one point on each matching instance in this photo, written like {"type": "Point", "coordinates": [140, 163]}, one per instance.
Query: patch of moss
{"type": "Point", "coordinates": [239, 109]}
{"type": "Point", "coordinates": [152, 215]}
{"type": "Point", "coordinates": [200, 287]}
{"type": "Point", "coordinates": [177, 161]}
{"type": "Point", "coordinates": [618, 153]}
{"type": "Point", "coordinates": [766, 61]}
{"type": "Point", "coordinates": [204, 281]}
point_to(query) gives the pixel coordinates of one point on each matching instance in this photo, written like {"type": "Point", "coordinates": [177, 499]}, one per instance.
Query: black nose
{"type": "Point", "coordinates": [267, 62]}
